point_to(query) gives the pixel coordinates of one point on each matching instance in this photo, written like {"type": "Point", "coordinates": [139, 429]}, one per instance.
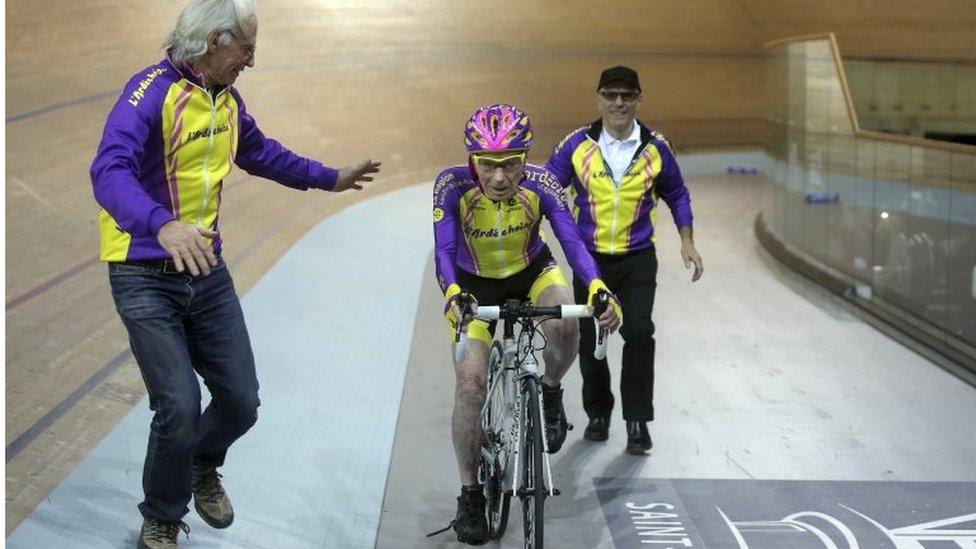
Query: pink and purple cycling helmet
{"type": "Point", "coordinates": [498, 127]}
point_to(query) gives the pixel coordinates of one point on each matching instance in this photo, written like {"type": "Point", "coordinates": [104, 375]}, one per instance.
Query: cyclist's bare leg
{"type": "Point", "coordinates": [469, 397]}
{"type": "Point", "coordinates": [562, 335]}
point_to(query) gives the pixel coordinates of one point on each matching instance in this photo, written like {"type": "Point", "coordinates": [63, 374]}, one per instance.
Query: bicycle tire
{"type": "Point", "coordinates": [533, 490]}
{"type": "Point", "coordinates": [497, 499]}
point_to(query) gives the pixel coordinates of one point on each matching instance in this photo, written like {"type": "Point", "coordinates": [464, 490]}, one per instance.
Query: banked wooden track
{"type": "Point", "coordinates": [340, 81]}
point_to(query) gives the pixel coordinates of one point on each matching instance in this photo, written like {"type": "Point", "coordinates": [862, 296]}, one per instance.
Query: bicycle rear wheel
{"type": "Point", "coordinates": [494, 456]}
{"type": "Point", "coordinates": [533, 490]}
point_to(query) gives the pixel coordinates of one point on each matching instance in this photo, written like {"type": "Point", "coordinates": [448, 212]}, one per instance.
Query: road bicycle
{"type": "Point", "coordinates": [514, 453]}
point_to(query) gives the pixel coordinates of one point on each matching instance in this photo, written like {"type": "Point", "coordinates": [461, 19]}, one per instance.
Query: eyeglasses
{"type": "Point", "coordinates": [249, 49]}
{"type": "Point", "coordinates": [627, 96]}
{"type": "Point", "coordinates": [510, 163]}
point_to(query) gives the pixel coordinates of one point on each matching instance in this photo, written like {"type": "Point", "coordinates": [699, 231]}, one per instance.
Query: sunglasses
{"type": "Point", "coordinates": [508, 163]}
{"type": "Point", "coordinates": [627, 96]}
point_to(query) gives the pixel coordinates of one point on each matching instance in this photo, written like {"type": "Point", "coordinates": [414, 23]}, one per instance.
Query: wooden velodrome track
{"type": "Point", "coordinates": [342, 81]}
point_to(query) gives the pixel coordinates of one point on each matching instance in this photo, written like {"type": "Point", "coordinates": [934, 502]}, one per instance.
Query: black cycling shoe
{"type": "Point", "coordinates": [471, 523]}
{"type": "Point", "coordinates": [556, 424]}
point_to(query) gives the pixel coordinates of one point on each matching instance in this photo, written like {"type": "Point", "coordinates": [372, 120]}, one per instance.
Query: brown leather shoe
{"type": "Point", "coordinates": [156, 534]}
{"type": "Point", "coordinates": [210, 499]}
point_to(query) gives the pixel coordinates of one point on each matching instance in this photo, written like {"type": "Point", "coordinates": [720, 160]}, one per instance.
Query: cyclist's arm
{"type": "Point", "coordinates": [445, 235]}
{"type": "Point", "coordinates": [554, 208]}
{"type": "Point", "coordinates": [580, 260]}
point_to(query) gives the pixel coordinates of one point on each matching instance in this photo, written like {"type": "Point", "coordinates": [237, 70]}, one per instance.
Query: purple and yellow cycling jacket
{"type": "Point", "coordinates": [168, 144]}
{"type": "Point", "coordinates": [499, 239]}
{"type": "Point", "coordinates": [616, 219]}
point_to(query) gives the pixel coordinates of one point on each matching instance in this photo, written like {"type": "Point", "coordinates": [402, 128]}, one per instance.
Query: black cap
{"type": "Point", "coordinates": [619, 73]}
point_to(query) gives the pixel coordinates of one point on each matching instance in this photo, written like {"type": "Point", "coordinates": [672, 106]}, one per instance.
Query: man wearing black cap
{"type": "Point", "coordinates": [617, 169]}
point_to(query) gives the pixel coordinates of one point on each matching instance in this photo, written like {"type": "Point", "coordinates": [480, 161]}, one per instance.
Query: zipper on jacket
{"type": "Point", "coordinates": [501, 248]}
{"type": "Point", "coordinates": [616, 193]}
{"type": "Point", "coordinates": [616, 201]}
{"type": "Point", "coordinates": [613, 219]}
{"type": "Point", "coordinates": [206, 159]}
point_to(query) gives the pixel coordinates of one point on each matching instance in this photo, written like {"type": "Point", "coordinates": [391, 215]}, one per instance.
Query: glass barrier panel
{"type": "Point", "coordinates": [892, 171]}
{"type": "Point", "coordinates": [865, 214]}
{"type": "Point", "coordinates": [897, 217]}
{"type": "Point", "coordinates": [961, 267]}
{"type": "Point", "coordinates": [928, 233]}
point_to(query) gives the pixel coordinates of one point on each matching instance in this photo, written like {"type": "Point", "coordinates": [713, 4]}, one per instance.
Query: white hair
{"type": "Point", "coordinates": [187, 42]}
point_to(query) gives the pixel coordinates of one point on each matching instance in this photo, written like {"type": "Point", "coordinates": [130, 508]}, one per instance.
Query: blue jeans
{"type": "Point", "coordinates": [179, 324]}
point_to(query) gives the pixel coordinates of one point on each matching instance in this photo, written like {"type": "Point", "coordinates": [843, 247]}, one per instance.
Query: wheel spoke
{"type": "Point", "coordinates": [533, 484]}
{"type": "Point", "coordinates": [495, 448]}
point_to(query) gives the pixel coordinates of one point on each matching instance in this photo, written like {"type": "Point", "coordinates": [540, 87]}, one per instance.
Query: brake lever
{"type": "Point", "coordinates": [602, 302]}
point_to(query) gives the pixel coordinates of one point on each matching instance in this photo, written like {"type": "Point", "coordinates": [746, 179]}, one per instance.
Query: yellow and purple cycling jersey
{"type": "Point", "coordinates": [167, 147]}
{"type": "Point", "coordinates": [612, 218]}
{"type": "Point", "coordinates": [500, 239]}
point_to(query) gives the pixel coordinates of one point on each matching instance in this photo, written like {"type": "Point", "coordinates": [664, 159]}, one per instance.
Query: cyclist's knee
{"type": "Point", "coordinates": [563, 333]}
{"type": "Point", "coordinates": [552, 294]}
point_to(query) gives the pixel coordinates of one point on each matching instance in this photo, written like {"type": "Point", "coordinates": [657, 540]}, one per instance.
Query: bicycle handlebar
{"type": "Point", "coordinates": [496, 312]}
{"type": "Point", "coordinates": [516, 311]}
{"type": "Point", "coordinates": [521, 310]}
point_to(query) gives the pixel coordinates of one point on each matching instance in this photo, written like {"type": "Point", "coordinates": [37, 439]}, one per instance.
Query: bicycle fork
{"type": "Point", "coordinates": [531, 368]}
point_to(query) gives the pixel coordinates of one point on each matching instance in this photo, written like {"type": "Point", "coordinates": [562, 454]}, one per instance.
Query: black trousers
{"type": "Point", "coordinates": [633, 278]}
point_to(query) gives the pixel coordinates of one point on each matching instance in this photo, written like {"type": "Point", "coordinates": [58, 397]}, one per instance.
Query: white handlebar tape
{"type": "Point", "coordinates": [487, 312]}
{"type": "Point", "coordinates": [575, 311]}
{"type": "Point", "coordinates": [600, 351]}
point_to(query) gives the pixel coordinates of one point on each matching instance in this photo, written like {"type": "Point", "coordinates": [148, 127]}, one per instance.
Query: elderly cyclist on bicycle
{"type": "Point", "coordinates": [487, 218]}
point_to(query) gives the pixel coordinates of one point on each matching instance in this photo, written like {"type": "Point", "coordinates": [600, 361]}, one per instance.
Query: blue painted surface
{"type": "Point", "coordinates": [331, 325]}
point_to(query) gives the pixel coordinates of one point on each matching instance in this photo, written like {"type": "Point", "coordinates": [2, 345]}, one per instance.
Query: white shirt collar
{"type": "Point", "coordinates": [634, 136]}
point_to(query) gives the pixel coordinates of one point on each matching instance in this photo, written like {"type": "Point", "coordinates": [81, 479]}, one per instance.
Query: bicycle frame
{"type": "Point", "coordinates": [510, 424]}
{"type": "Point", "coordinates": [510, 379]}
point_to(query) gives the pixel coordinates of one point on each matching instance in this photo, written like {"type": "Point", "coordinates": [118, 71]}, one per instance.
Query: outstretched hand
{"type": "Point", "coordinates": [351, 177]}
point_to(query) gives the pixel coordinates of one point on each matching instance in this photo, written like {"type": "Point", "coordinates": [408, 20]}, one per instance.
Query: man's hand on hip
{"type": "Point", "coordinates": [350, 177]}
{"type": "Point", "coordinates": [190, 246]}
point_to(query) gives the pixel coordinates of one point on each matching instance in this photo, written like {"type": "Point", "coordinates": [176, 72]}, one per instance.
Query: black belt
{"type": "Point", "coordinates": [165, 266]}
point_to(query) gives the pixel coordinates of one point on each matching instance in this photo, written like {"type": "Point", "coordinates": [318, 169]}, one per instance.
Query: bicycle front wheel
{"type": "Point", "coordinates": [533, 490]}
{"type": "Point", "coordinates": [494, 456]}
